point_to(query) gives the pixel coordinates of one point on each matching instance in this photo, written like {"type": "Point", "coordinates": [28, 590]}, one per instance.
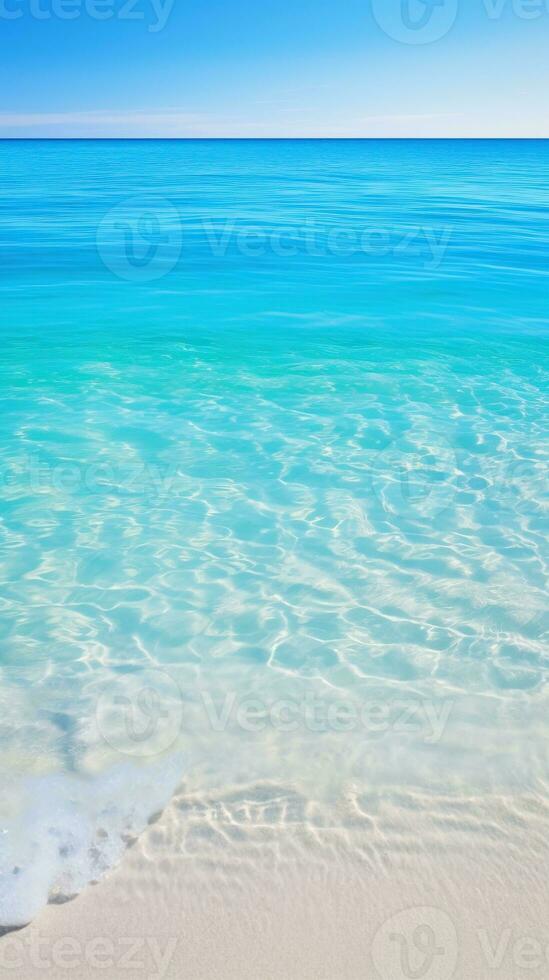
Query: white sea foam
{"type": "Point", "coordinates": [62, 831]}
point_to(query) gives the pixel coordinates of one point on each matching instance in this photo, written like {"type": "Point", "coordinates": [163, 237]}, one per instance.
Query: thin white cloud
{"type": "Point", "coordinates": [291, 122]}
{"type": "Point", "coordinates": [95, 117]}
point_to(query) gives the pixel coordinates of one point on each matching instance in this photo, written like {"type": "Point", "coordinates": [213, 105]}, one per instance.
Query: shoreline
{"type": "Point", "coordinates": [242, 888]}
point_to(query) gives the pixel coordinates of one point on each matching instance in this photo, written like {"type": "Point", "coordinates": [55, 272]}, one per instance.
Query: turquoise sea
{"type": "Point", "coordinates": [273, 486]}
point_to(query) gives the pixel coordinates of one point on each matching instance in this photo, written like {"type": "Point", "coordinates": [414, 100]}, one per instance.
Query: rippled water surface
{"type": "Point", "coordinates": [273, 498]}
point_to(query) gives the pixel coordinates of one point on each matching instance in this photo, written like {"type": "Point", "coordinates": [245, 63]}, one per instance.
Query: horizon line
{"type": "Point", "coordinates": [269, 139]}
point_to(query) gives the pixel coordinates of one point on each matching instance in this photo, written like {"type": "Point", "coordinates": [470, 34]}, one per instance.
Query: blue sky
{"type": "Point", "coordinates": [263, 68]}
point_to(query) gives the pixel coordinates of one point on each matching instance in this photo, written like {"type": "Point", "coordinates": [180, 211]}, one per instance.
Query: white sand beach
{"type": "Point", "coordinates": [256, 887]}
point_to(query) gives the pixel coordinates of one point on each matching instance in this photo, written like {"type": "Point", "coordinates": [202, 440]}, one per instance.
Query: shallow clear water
{"type": "Point", "coordinates": [273, 498]}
